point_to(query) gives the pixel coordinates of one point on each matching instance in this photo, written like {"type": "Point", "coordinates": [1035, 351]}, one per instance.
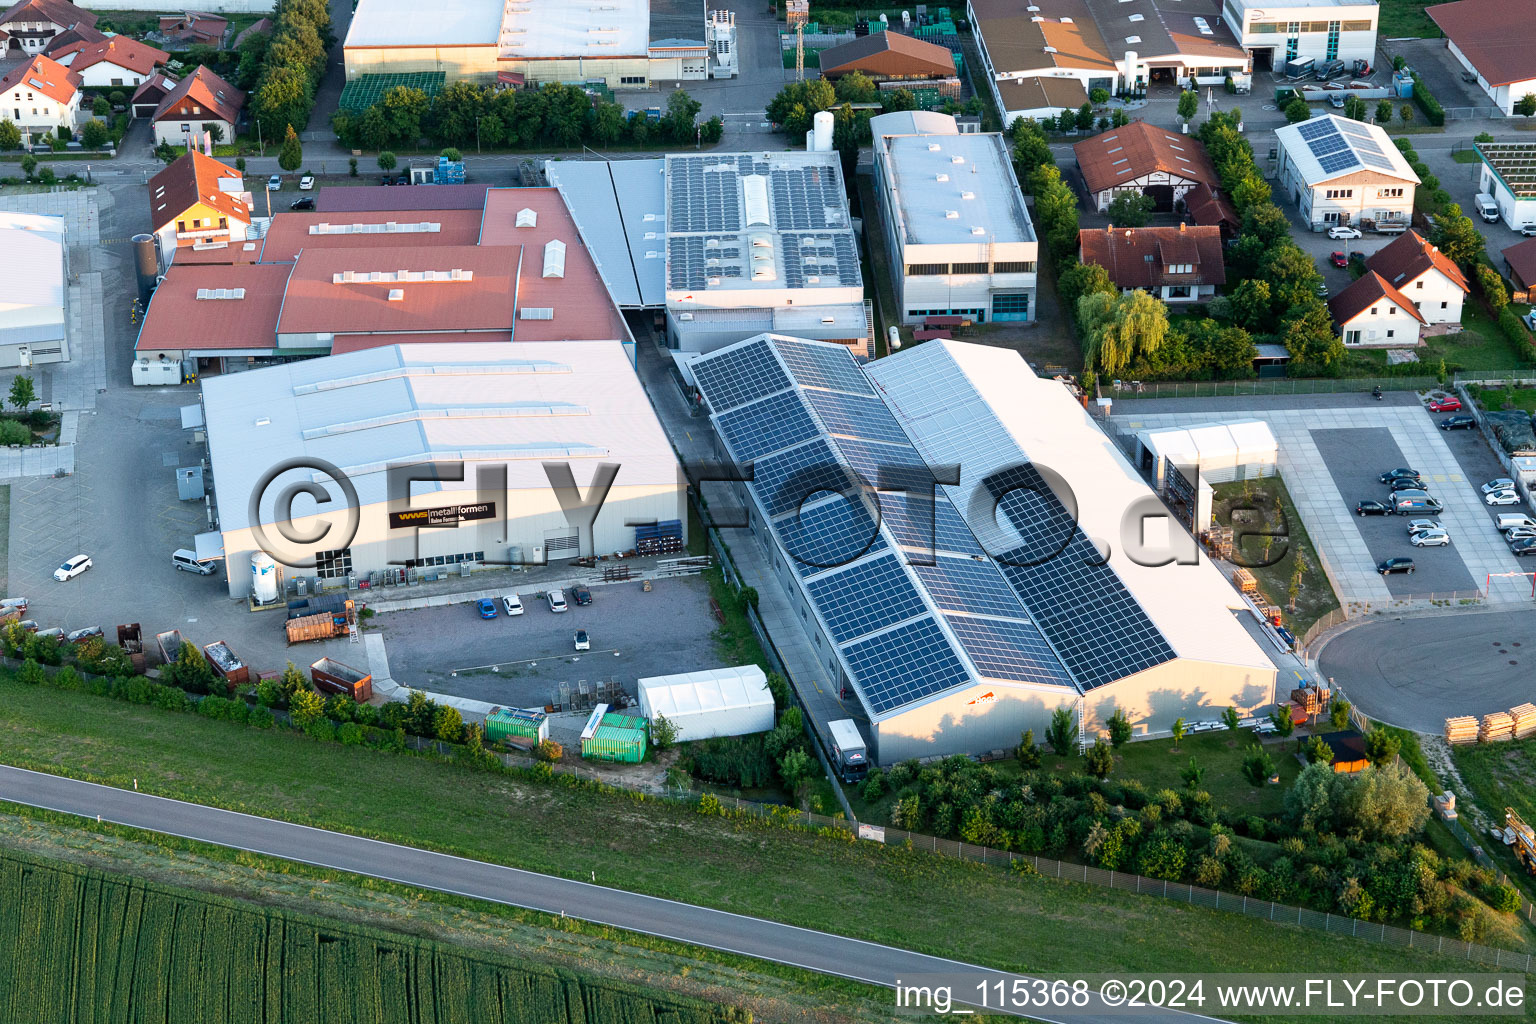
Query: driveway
{"type": "Point", "coordinates": [1441, 73]}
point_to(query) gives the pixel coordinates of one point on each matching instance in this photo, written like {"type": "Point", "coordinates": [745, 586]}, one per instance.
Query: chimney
{"type": "Point", "coordinates": [1181, 227]}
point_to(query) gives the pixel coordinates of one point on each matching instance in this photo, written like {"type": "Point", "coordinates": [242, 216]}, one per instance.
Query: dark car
{"type": "Point", "coordinates": [1392, 565]}
{"type": "Point", "coordinates": [1372, 508]}
{"type": "Point", "coordinates": [1398, 474]}
{"type": "Point", "coordinates": [581, 595]}
{"type": "Point", "coordinates": [1406, 483]}
{"type": "Point", "coordinates": [307, 203]}
{"type": "Point", "coordinates": [1458, 423]}
{"type": "Point", "coordinates": [1523, 547]}
{"type": "Point", "coordinates": [487, 608]}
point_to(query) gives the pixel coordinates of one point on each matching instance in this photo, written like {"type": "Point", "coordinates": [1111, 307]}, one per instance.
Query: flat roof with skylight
{"type": "Point", "coordinates": [956, 189]}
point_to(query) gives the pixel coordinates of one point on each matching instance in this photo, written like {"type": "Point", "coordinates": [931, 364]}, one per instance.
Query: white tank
{"type": "Point", "coordinates": [906, 19]}
{"type": "Point", "coordinates": [895, 338]}
{"type": "Point", "coordinates": [810, 141]}
{"type": "Point", "coordinates": [822, 128]}
{"type": "Point", "coordinates": [263, 577]}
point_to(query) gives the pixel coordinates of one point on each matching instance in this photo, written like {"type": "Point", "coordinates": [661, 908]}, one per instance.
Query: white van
{"type": "Point", "coordinates": [1486, 207]}
{"type": "Point", "coordinates": [1514, 520]}
{"type": "Point", "coordinates": [556, 600]}
{"type": "Point", "coordinates": [187, 560]}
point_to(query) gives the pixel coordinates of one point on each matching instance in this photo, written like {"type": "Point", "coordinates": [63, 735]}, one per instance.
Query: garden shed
{"type": "Point", "coordinates": [718, 702]}
{"type": "Point", "coordinates": [1348, 749]}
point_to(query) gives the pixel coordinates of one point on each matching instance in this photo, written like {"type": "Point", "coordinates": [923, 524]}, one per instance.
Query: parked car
{"type": "Point", "coordinates": [1343, 231]}
{"type": "Point", "coordinates": [275, 183]}
{"type": "Point", "coordinates": [80, 636]}
{"type": "Point", "coordinates": [1398, 474]}
{"type": "Point", "coordinates": [1521, 548]}
{"type": "Point", "coordinates": [556, 600]}
{"type": "Point", "coordinates": [1458, 423]}
{"type": "Point", "coordinates": [1406, 483]}
{"type": "Point", "coordinates": [1449, 403]}
{"type": "Point", "coordinates": [583, 642]}
{"type": "Point", "coordinates": [1530, 318]}
{"type": "Point", "coordinates": [1502, 483]}
{"type": "Point", "coordinates": [1415, 525]}
{"type": "Point", "coordinates": [304, 203]}
{"type": "Point", "coordinates": [513, 604]}
{"type": "Point", "coordinates": [72, 568]}
{"type": "Point", "coordinates": [1338, 259]}
{"type": "Point", "coordinates": [1430, 539]}
{"type": "Point", "coordinates": [1392, 565]}
{"type": "Point", "coordinates": [1336, 100]}
{"type": "Point", "coordinates": [1371, 508]}
{"type": "Point", "coordinates": [306, 183]}
{"type": "Point", "coordinates": [1520, 533]}
{"type": "Point", "coordinates": [581, 595]}
{"type": "Point", "coordinates": [1507, 521]}
{"type": "Point", "coordinates": [487, 608]}
{"type": "Point", "coordinates": [1504, 496]}
{"type": "Point", "coordinates": [1322, 290]}
{"type": "Point", "coordinates": [1528, 230]}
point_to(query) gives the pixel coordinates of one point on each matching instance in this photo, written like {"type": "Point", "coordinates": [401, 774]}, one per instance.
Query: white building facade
{"type": "Point", "coordinates": [1339, 171]}
{"type": "Point", "coordinates": [1323, 30]}
{"type": "Point", "coordinates": [32, 291]}
{"type": "Point", "coordinates": [1508, 174]}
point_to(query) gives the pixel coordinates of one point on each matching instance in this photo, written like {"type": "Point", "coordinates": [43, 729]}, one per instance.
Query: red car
{"type": "Point", "coordinates": [1450, 403]}
{"type": "Point", "coordinates": [1338, 259]}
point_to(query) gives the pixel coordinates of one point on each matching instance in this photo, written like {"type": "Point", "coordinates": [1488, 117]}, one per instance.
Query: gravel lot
{"type": "Point", "coordinates": [1355, 459]}
{"type": "Point", "coordinates": [634, 634]}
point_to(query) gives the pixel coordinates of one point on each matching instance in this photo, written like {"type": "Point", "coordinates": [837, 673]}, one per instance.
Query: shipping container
{"type": "Point", "coordinates": [130, 638]}
{"type": "Point", "coordinates": [169, 643]}
{"type": "Point", "coordinates": [610, 736]}
{"type": "Point", "coordinates": [316, 604]}
{"type": "Point", "coordinates": [516, 724]}
{"type": "Point", "coordinates": [320, 626]}
{"type": "Point", "coordinates": [225, 664]}
{"type": "Point", "coordinates": [331, 676]}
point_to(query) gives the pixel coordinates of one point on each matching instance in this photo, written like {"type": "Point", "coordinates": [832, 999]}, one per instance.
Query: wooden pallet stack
{"type": "Point", "coordinates": [1525, 720]}
{"type": "Point", "coordinates": [1244, 581]}
{"type": "Point", "coordinates": [1461, 730]}
{"type": "Point", "coordinates": [1500, 725]}
{"type": "Point", "coordinates": [1311, 700]}
{"type": "Point", "coordinates": [1218, 541]}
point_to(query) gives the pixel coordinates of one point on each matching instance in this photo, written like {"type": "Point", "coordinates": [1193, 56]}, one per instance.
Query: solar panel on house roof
{"type": "Point", "coordinates": [766, 426]}
{"type": "Point", "coordinates": [968, 585]}
{"type": "Point", "coordinates": [830, 533]}
{"type": "Point", "coordinates": [1338, 162]}
{"type": "Point", "coordinates": [786, 481]}
{"type": "Point", "coordinates": [750, 372]}
{"type": "Point", "coordinates": [860, 599]}
{"type": "Point", "coordinates": [904, 665]}
{"type": "Point", "coordinates": [1007, 649]}
{"type": "Point", "coordinates": [1315, 129]}
{"type": "Point", "coordinates": [823, 366]}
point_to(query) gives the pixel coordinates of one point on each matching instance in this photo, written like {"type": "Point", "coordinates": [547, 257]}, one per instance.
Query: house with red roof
{"type": "Point", "coordinates": [116, 62]}
{"type": "Point", "coordinates": [200, 98]}
{"type": "Point", "coordinates": [197, 201]}
{"type": "Point", "coordinates": [1371, 313]}
{"type": "Point", "coordinates": [40, 95]}
{"type": "Point", "coordinates": [1431, 280]}
{"type": "Point", "coordinates": [29, 26]}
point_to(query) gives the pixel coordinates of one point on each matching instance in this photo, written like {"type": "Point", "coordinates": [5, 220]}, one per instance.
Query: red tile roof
{"type": "Point", "coordinates": [1139, 257]}
{"type": "Point", "coordinates": [1490, 34]}
{"type": "Point", "coordinates": [177, 319]}
{"type": "Point", "coordinates": [1358, 297]}
{"type": "Point", "coordinates": [154, 88]}
{"type": "Point", "coordinates": [1138, 148]}
{"type": "Point", "coordinates": [382, 198]}
{"type": "Point", "coordinates": [1410, 255]}
{"type": "Point", "coordinates": [45, 75]}
{"type": "Point", "coordinates": [205, 89]}
{"type": "Point", "coordinates": [56, 12]}
{"type": "Point", "coordinates": [1208, 207]}
{"type": "Point", "coordinates": [66, 40]}
{"type": "Point", "coordinates": [883, 54]}
{"type": "Point", "coordinates": [1521, 258]}
{"type": "Point", "coordinates": [291, 231]}
{"type": "Point", "coordinates": [193, 178]}
{"type": "Point", "coordinates": [129, 54]}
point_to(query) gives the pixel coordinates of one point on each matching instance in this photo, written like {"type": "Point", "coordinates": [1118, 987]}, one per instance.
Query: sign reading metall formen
{"type": "Point", "coordinates": [445, 515]}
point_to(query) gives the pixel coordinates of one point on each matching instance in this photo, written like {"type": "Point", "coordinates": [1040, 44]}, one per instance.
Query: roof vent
{"type": "Point", "coordinates": [951, 214]}
{"type": "Point", "coordinates": [264, 421]}
{"type": "Point", "coordinates": [397, 295]}
{"type": "Point", "coordinates": [933, 147]}
{"type": "Point", "coordinates": [978, 230]}
{"type": "Point", "coordinates": [1204, 27]}
{"type": "Point", "coordinates": [536, 313]}
{"type": "Point", "coordinates": [554, 258]}
{"type": "Point", "coordinates": [967, 195]}
{"type": "Point", "coordinates": [527, 218]}
{"type": "Point", "coordinates": [1066, 21]}
{"type": "Point", "coordinates": [1048, 49]}
{"type": "Point", "coordinates": [1133, 39]}
{"type": "Point", "coordinates": [941, 177]}
{"type": "Point", "coordinates": [957, 159]}
{"type": "Point", "coordinates": [1137, 17]}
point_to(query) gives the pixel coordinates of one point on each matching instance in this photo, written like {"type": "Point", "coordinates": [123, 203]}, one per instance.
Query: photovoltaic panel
{"type": "Point", "coordinates": [823, 366]}
{"type": "Point", "coordinates": [829, 534]}
{"type": "Point", "coordinates": [856, 416]}
{"type": "Point", "coordinates": [1338, 162]}
{"type": "Point", "coordinates": [1316, 129]}
{"type": "Point", "coordinates": [926, 525]}
{"type": "Point", "coordinates": [1329, 144]}
{"type": "Point", "coordinates": [886, 466]}
{"type": "Point", "coordinates": [1381, 163]}
{"type": "Point", "coordinates": [966, 585]}
{"type": "Point", "coordinates": [905, 665]}
{"type": "Point", "coordinates": [863, 598]}
{"type": "Point", "coordinates": [1003, 649]}
{"type": "Point", "coordinates": [786, 481]}
{"type": "Point", "coordinates": [739, 376]}
{"type": "Point", "coordinates": [777, 422]}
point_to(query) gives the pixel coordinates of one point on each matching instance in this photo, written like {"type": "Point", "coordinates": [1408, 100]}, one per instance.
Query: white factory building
{"type": "Point", "coordinates": [33, 290]}
{"type": "Point", "coordinates": [960, 239]}
{"type": "Point", "coordinates": [961, 621]}
{"type": "Point", "coordinates": [1339, 171]}
{"type": "Point", "coordinates": [1508, 174]}
{"type": "Point", "coordinates": [1321, 29]}
{"type": "Point", "coordinates": [502, 412]}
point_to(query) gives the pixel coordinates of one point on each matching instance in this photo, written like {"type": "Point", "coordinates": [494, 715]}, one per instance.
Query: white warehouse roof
{"type": "Point", "coordinates": [956, 190]}
{"type": "Point", "coordinates": [513, 404]}
{"type": "Point", "coordinates": [620, 208]}
{"type": "Point", "coordinates": [404, 23]}
{"type": "Point", "coordinates": [1330, 146]}
{"type": "Point", "coordinates": [32, 285]}
{"type": "Point", "coordinates": [1241, 443]}
{"type": "Point", "coordinates": [521, 29]}
{"type": "Point", "coordinates": [718, 702]}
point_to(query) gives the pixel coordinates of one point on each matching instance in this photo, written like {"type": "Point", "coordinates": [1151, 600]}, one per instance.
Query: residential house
{"type": "Point", "coordinates": [1372, 313]}
{"type": "Point", "coordinates": [1520, 265]}
{"type": "Point", "coordinates": [40, 95]}
{"type": "Point", "coordinates": [69, 37]}
{"type": "Point", "coordinates": [1431, 280]}
{"type": "Point", "coordinates": [1339, 171]}
{"type": "Point", "coordinates": [1140, 158]}
{"type": "Point", "coordinates": [1175, 264]}
{"type": "Point", "coordinates": [148, 96]}
{"type": "Point", "coordinates": [115, 63]}
{"type": "Point", "coordinates": [194, 28]}
{"type": "Point", "coordinates": [27, 27]}
{"type": "Point", "coordinates": [259, 28]}
{"type": "Point", "coordinates": [198, 99]}
{"type": "Point", "coordinates": [1207, 207]}
{"type": "Point", "coordinates": [1487, 38]}
{"type": "Point", "coordinates": [197, 201]}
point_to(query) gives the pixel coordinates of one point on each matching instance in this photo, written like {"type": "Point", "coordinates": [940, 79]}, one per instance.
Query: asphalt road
{"type": "Point", "coordinates": [713, 929]}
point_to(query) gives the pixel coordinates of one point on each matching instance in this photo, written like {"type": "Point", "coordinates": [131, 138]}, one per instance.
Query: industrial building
{"type": "Point", "coordinates": [960, 239]}
{"type": "Point", "coordinates": [33, 314]}
{"type": "Point", "coordinates": [1321, 29]}
{"type": "Point", "coordinates": [1339, 171]}
{"type": "Point", "coordinates": [504, 412]}
{"type": "Point", "coordinates": [1508, 174]}
{"type": "Point", "coordinates": [960, 615]}
{"type": "Point", "coordinates": [623, 44]}
{"type": "Point", "coordinates": [1184, 462]}
{"type": "Point", "coordinates": [1488, 38]}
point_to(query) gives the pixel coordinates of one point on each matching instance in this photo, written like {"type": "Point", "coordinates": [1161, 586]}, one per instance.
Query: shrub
{"type": "Point", "coordinates": [66, 678]}
{"type": "Point", "coordinates": [322, 730]}
{"type": "Point", "coordinates": [350, 734]}
{"type": "Point", "coordinates": [31, 673]}
{"type": "Point", "coordinates": [1433, 111]}
{"type": "Point", "coordinates": [1504, 898]}
{"type": "Point", "coordinates": [663, 732]}
{"type": "Point", "coordinates": [1492, 287]}
{"type": "Point", "coordinates": [548, 751]}
{"type": "Point", "coordinates": [1100, 759]}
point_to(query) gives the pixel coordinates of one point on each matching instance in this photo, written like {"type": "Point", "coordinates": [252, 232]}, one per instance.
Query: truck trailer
{"type": "Point", "coordinates": [331, 676]}
{"type": "Point", "coordinates": [850, 759]}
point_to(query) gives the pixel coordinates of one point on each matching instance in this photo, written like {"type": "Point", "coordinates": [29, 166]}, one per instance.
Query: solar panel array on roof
{"type": "Point", "coordinates": [1009, 649]}
{"type": "Point", "coordinates": [968, 585]}
{"type": "Point", "coordinates": [806, 199]}
{"type": "Point", "coordinates": [816, 366]}
{"type": "Point", "coordinates": [786, 481]}
{"type": "Point", "coordinates": [777, 422]}
{"type": "Point", "coordinates": [1340, 145]}
{"type": "Point", "coordinates": [830, 258]}
{"type": "Point", "coordinates": [926, 526]}
{"type": "Point", "coordinates": [887, 467]}
{"type": "Point", "coordinates": [830, 533]}
{"type": "Point", "coordinates": [904, 665]}
{"type": "Point", "coordinates": [856, 416]}
{"type": "Point", "coordinates": [865, 597]}
{"type": "Point", "coordinates": [752, 372]}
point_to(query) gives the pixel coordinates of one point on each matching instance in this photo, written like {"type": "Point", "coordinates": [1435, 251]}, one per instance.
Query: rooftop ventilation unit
{"type": "Point", "coordinates": [1048, 49]}
{"type": "Point", "coordinates": [1204, 27]}
{"type": "Point", "coordinates": [1138, 17]}
{"type": "Point", "coordinates": [967, 195]}
{"type": "Point", "coordinates": [527, 218]}
{"type": "Point", "coordinates": [554, 258]}
{"type": "Point", "coordinates": [951, 214]}
{"type": "Point", "coordinates": [933, 147]}
{"type": "Point", "coordinates": [387, 228]}
{"type": "Point", "coordinates": [536, 313]}
{"type": "Point", "coordinates": [1066, 21]}
{"type": "Point", "coordinates": [957, 159]}
{"type": "Point", "coordinates": [221, 293]}
{"type": "Point", "coordinates": [1133, 39]}
{"type": "Point", "coordinates": [941, 177]}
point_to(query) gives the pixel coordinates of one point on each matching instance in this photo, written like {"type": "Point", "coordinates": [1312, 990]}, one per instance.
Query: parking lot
{"type": "Point", "coordinates": [521, 660]}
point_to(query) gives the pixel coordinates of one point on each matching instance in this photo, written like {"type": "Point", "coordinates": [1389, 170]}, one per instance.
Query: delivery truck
{"type": "Point", "coordinates": [331, 676]}
{"type": "Point", "coordinates": [850, 759]}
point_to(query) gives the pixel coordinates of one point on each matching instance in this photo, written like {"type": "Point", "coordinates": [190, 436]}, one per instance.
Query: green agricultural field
{"type": "Point", "coordinates": [82, 944]}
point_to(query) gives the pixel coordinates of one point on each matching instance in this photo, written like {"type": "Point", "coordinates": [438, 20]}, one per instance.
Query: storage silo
{"type": "Point", "coordinates": [146, 266]}
{"type": "Point", "coordinates": [263, 578]}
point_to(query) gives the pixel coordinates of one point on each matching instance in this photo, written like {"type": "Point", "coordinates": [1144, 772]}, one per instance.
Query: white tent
{"type": "Point", "coordinates": [719, 702]}
{"type": "Point", "coordinates": [1221, 451]}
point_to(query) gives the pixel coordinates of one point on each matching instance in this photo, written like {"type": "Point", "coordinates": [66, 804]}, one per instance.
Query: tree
{"type": "Point", "coordinates": [452, 155]}
{"type": "Point", "coordinates": [351, 166]}
{"type": "Point", "coordinates": [386, 161]}
{"type": "Point", "coordinates": [1258, 766]}
{"type": "Point", "coordinates": [1406, 113]}
{"type": "Point", "coordinates": [855, 87]}
{"type": "Point", "coordinates": [1354, 108]}
{"type": "Point", "coordinates": [1130, 209]}
{"type": "Point", "coordinates": [94, 133]}
{"type": "Point", "coordinates": [1030, 150]}
{"type": "Point", "coordinates": [1085, 116]}
{"type": "Point", "coordinates": [1062, 733]}
{"type": "Point", "coordinates": [448, 724]}
{"type": "Point", "coordinates": [291, 156]}
{"type": "Point", "coordinates": [1457, 237]}
{"type": "Point", "coordinates": [795, 768]}
{"type": "Point", "coordinates": [1317, 751]}
{"type": "Point", "coordinates": [10, 135]}
{"type": "Point", "coordinates": [23, 393]}
{"type": "Point", "coordinates": [663, 732]}
{"type": "Point", "coordinates": [455, 113]}
{"type": "Point", "coordinates": [682, 116]}
{"type": "Point", "coordinates": [1381, 747]}
{"type": "Point", "coordinates": [100, 106]}
{"type": "Point", "coordinates": [1178, 732]}
{"type": "Point", "coordinates": [1100, 759]}
{"type": "Point", "coordinates": [1192, 775]}
{"type": "Point", "coordinates": [240, 164]}
{"type": "Point", "coordinates": [305, 708]}
{"type": "Point", "coordinates": [1338, 714]}
{"type": "Point", "coordinates": [1297, 111]}
{"type": "Point", "coordinates": [46, 176]}
{"type": "Point", "coordinates": [1083, 279]}
{"type": "Point", "coordinates": [190, 670]}
{"type": "Point", "coordinates": [897, 100]}
{"type": "Point", "coordinates": [1231, 719]}
{"type": "Point", "coordinates": [1526, 105]}
{"type": "Point", "coordinates": [1098, 97]}
{"type": "Point", "coordinates": [1281, 718]}
{"type": "Point", "coordinates": [215, 131]}
{"type": "Point", "coordinates": [607, 123]}
{"type": "Point", "coordinates": [1028, 752]}
{"type": "Point", "coordinates": [282, 98]}
{"type": "Point", "coordinates": [1189, 104]}
{"type": "Point", "coordinates": [1119, 728]}
{"type": "Point", "coordinates": [405, 112]}
{"type": "Point", "coordinates": [1384, 112]}
{"type": "Point", "coordinates": [1307, 334]}
{"type": "Point", "coordinates": [1491, 284]}
{"type": "Point", "coordinates": [1117, 330]}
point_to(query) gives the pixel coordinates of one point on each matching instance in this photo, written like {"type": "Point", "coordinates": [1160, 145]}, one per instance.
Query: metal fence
{"type": "Point", "coordinates": [1264, 386]}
